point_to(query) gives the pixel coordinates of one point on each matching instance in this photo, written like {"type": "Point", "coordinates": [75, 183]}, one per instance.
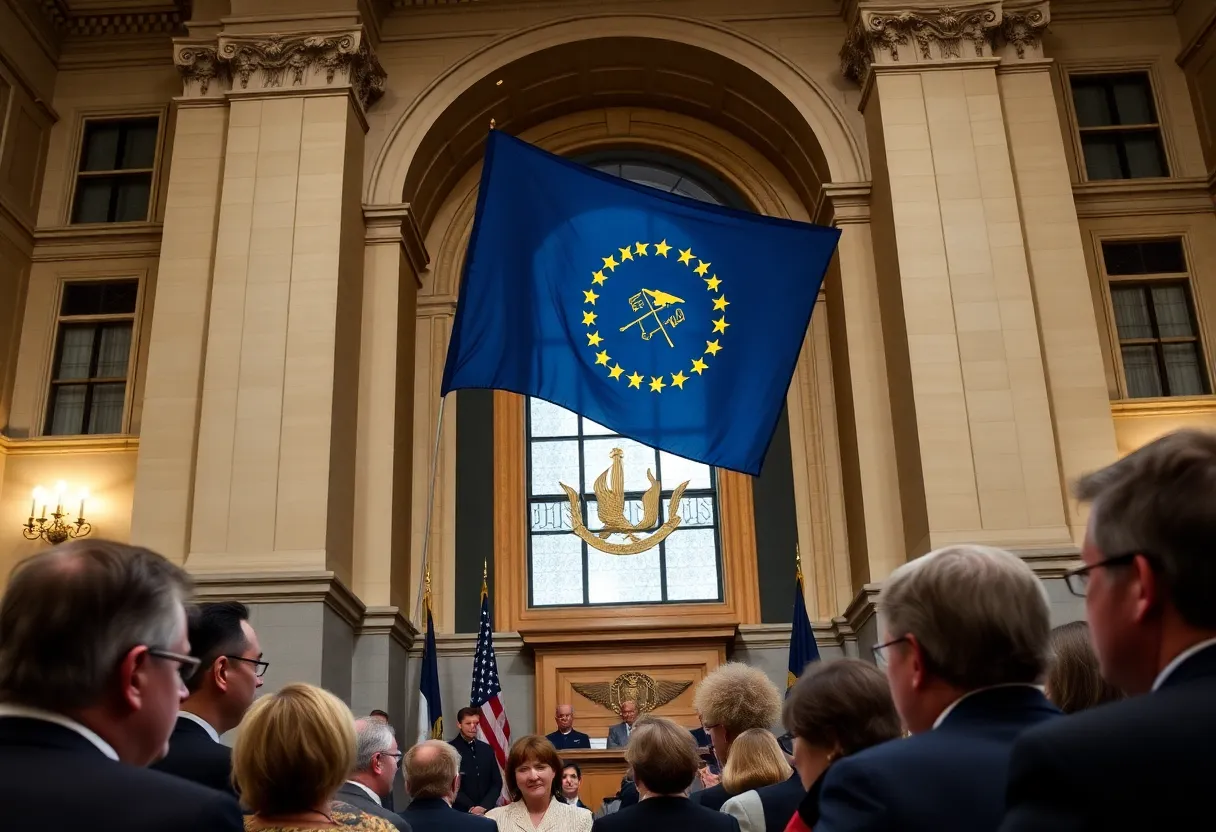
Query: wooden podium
{"type": "Point", "coordinates": [602, 773]}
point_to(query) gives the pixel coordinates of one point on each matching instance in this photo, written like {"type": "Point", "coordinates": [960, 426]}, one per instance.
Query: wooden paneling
{"type": "Point", "coordinates": [602, 773]}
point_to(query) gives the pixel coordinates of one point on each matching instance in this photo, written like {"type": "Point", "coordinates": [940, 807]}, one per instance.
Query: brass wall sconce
{"type": "Point", "coordinates": [53, 529]}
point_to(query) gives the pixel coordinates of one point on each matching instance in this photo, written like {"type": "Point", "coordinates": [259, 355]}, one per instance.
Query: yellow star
{"type": "Point", "coordinates": [598, 278]}
{"type": "Point", "coordinates": [686, 256]}
{"type": "Point", "coordinates": [656, 384]}
{"type": "Point", "coordinates": [712, 347]}
{"type": "Point", "coordinates": [699, 366]}
{"type": "Point", "coordinates": [713, 283]}
{"type": "Point", "coordinates": [615, 372]}
{"type": "Point", "coordinates": [641, 248]}
{"type": "Point", "coordinates": [589, 296]}
{"type": "Point", "coordinates": [593, 339]}
{"type": "Point", "coordinates": [702, 268]}
{"type": "Point", "coordinates": [602, 358]}
{"type": "Point", "coordinates": [626, 254]}
{"type": "Point", "coordinates": [678, 378]}
{"type": "Point", "coordinates": [720, 325]}
{"type": "Point", "coordinates": [588, 318]}
{"type": "Point", "coordinates": [635, 380]}
{"type": "Point", "coordinates": [610, 264]}
{"type": "Point", "coordinates": [720, 303]}
{"type": "Point", "coordinates": [662, 248]}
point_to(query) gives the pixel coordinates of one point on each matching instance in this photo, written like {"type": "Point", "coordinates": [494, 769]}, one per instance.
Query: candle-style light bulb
{"type": "Point", "coordinates": [40, 499]}
{"type": "Point", "coordinates": [84, 495]}
{"type": "Point", "coordinates": [60, 488]}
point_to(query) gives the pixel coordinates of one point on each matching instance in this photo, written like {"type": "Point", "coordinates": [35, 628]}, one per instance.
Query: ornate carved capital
{"type": "Point", "coordinates": [1022, 28]}
{"type": "Point", "coordinates": [281, 61]}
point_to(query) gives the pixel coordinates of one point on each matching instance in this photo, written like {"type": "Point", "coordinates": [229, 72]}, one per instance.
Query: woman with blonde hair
{"type": "Point", "coordinates": [756, 760]}
{"type": "Point", "coordinates": [296, 747]}
{"type": "Point", "coordinates": [533, 775]}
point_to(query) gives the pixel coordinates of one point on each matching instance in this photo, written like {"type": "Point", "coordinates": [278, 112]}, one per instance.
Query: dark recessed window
{"type": "Point", "coordinates": [114, 179]}
{"type": "Point", "coordinates": [1155, 318]}
{"type": "Point", "coordinates": [92, 358]}
{"type": "Point", "coordinates": [1120, 131]}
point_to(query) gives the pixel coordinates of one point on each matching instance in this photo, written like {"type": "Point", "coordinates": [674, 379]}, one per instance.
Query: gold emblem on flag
{"type": "Point", "coordinates": [609, 490]}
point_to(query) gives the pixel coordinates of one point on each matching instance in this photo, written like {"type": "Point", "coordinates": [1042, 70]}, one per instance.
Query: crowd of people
{"type": "Point", "coordinates": [974, 715]}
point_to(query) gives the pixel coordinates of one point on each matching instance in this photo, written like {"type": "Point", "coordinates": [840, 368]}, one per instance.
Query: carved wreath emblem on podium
{"type": "Point", "coordinates": [648, 693]}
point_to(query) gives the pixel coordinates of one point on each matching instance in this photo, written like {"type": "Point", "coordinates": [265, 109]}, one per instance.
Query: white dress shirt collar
{"type": "Point", "coordinates": [23, 712]}
{"type": "Point", "coordinates": [204, 724]}
{"type": "Point", "coordinates": [1169, 669]}
{"type": "Point", "coordinates": [950, 708]}
{"type": "Point", "coordinates": [370, 793]}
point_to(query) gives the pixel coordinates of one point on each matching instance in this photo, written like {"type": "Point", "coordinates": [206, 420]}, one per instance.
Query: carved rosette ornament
{"type": "Point", "coordinates": [283, 61]}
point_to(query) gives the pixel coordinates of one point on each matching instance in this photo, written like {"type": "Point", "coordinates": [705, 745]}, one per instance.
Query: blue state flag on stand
{"type": "Point", "coordinates": [803, 649]}
{"type": "Point", "coordinates": [430, 707]}
{"type": "Point", "coordinates": [667, 320]}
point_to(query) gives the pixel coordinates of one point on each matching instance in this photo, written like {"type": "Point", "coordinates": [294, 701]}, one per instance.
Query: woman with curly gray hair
{"type": "Point", "coordinates": [732, 699]}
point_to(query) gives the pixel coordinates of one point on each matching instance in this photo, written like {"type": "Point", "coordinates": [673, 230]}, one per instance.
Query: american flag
{"type": "Point", "coordinates": [494, 728]}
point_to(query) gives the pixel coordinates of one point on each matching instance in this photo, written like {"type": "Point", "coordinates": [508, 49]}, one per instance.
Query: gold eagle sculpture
{"type": "Point", "coordinates": [648, 693]}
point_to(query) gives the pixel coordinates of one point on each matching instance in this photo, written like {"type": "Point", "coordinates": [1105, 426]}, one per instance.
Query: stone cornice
{"type": "Point", "coordinates": [885, 33]}
{"type": "Point", "coordinates": [388, 621]}
{"type": "Point", "coordinates": [102, 241]}
{"type": "Point", "coordinates": [50, 445]}
{"type": "Point", "coordinates": [155, 18]}
{"type": "Point", "coordinates": [398, 223]}
{"type": "Point", "coordinates": [300, 60]}
{"type": "Point", "coordinates": [844, 203]}
{"type": "Point", "coordinates": [1143, 197]}
{"type": "Point", "coordinates": [281, 587]}
{"type": "Point", "coordinates": [465, 644]}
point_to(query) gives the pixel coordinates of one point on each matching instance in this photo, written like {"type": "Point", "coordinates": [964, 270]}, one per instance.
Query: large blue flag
{"type": "Point", "coordinates": [803, 649]}
{"type": "Point", "coordinates": [667, 320]}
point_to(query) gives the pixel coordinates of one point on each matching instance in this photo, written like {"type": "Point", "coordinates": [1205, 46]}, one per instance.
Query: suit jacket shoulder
{"type": "Point", "coordinates": [747, 809]}
{"type": "Point", "coordinates": [355, 796]}
{"type": "Point", "coordinates": [666, 814]}
{"type": "Point", "coordinates": [193, 755]}
{"type": "Point", "coordinates": [434, 815]}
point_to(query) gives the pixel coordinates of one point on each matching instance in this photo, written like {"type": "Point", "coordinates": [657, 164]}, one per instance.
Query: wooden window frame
{"type": "Point", "coordinates": [1120, 130]}
{"type": "Point", "coordinates": [86, 117]}
{"type": "Point", "coordinates": [1110, 281]}
{"type": "Point", "coordinates": [59, 320]}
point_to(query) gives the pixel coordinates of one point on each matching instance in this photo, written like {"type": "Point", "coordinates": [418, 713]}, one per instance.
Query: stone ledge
{"type": "Point", "coordinates": [281, 588]}
{"type": "Point", "coordinates": [68, 445]}
{"type": "Point", "coordinates": [97, 241]}
{"type": "Point", "coordinates": [1143, 197]}
{"type": "Point", "coordinates": [388, 621]}
{"type": "Point", "coordinates": [465, 644]}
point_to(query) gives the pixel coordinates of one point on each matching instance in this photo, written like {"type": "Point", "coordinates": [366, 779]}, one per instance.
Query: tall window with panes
{"type": "Point", "coordinates": [1150, 290]}
{"type": "Point", "coordinates": [1120, 131]}
{"type": "Point", "coordinates": [114, 177]}
{"type": "Point", "coordinates": [92, 357]}
{"type": "Point", "coordinates": [566, 448]}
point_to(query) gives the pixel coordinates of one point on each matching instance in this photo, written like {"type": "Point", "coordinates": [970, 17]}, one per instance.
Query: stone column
{"type": "Point", "coordinates": [275, 479]}
{"type": "Point", "coordinates": [1068, 326]}
{"type": "Point", "coordinates": [164, 478]}
{"type": "Point", "coordinates": [863, 398]}
{"type": "Point", "coordinates": [974, 439]}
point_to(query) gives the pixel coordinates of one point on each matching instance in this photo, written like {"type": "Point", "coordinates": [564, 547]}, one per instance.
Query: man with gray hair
{"type": "Point", "coordinates": [964, 645]}
{"type": "Point", "coordinates": [1148, 576]}
{"type": "Point", "coordinates": [432, 779]}
{"type": "Point", "coordinates": [376, 763]}
{"type": "Point", "coordinates": [93, 652]}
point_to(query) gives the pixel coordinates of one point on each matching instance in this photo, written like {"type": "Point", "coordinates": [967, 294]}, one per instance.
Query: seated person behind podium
{"type": "Point", "coordinates": [732, 699]}
{"type": "Point", "coordinates": [565, 736]}
{"type": "Point", "coordinates": [618, 735]}
{"type": "Point", "coordinates": [432, 779]}
{"type": "Point", "coordinates": [663, 757]}
{"type": "Point", "coordinates": [533, 782]}
{"type": "Point", "coordinates": [294, 751]}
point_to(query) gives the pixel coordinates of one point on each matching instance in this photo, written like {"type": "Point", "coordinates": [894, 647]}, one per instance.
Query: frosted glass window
{"type": "Point", "coordinates": [557, 570]}
{"type": "Point", "coordinates": [692, 566]}
{"type": "Point", "coordinates": [624, 579]}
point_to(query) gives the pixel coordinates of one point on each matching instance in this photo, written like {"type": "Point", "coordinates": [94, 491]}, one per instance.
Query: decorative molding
{"type": "Point", "coordinates": [305, 60]}
{"type": "Point", "coordinates": [158, 18]}
{"type": "Point", "coordinates": [1143, 197]}
{"type": "Point", "coordinates": [1181, 406]}
{"type": "Point", "coordinates": [465, 644]}
{"type": "Point", "coordinates": [389, 621]}
{"type": "Point", "coordinates": [844, 203]}
{"type": "Point", "coordinates": [1023, 28]}
{"type": "Point", "coordinates": [777, 636]}
{"type": "Point", "coordinates": [281, 588]}
{"type": "Point", "coordinates": [1050, 562]}
{"type": "Point", "coordinates": [398, 223]}
{"type": "Point", "coordinates": [43, 446]}
{"type": "Point", "coordinates": [860, 610]}
{"type": "Point", "coordinates": [97, 241]}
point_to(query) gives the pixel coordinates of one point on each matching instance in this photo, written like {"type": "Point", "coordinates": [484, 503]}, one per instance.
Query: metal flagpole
{"type": "Point", "coordinates": [430, 509]}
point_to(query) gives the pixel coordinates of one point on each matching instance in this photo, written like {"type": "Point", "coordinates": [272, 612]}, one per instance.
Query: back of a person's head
{"type": "Point", "coordinates": [71, 613]}
{"type": "Point", "coordinates": [372, 737]}
{"type": "Point", "coordinates": [842, 706]}
{"type": "Point", "coordinates": [738, 697]}
{"type": "Point", "coordinates": [215, 630]}
{"type": "Point", "coordinates": [756, 760]}
{"type": "Point", "coordinates": [662, 755]}
{"type": "Point", "coordinates": [1074, 681]}
{"type": "Point", "coordinates": [295, 748]}
{"type": "Point", "coordinates": [1157, 501]}
{"type": "Point", "coordinates": [979, 614]}
{"type": "Point", "coordinates": [430, 769]}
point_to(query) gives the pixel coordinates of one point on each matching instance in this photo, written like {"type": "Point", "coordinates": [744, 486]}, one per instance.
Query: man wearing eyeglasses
{"type": "Point", "coordinates": [221, 690]}
{"type": "Point", "coordinates": [376, 762]}
{"type": "Point", "coordinates": [1148, 576]}
{"type": "Point", "coordinates": [93, 651]}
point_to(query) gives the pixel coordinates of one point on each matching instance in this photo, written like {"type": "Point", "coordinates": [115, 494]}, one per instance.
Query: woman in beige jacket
{"type": "Point", "coordinates": [532, 774]}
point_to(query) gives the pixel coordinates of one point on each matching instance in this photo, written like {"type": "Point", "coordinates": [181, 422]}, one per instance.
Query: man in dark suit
{"type": "Point", "coordinates": [376, 757]}
{"type": "Point", "coordinates": [618, 735]}
{"type": "Point", "coordinates": [376, 713]}
{"type": "Point", "coordinates": [966, 640]}
{"type": "Point", "coordinates": [664, 761]}
{"type": "Point", "coordinates": [432, 778]}
{"type": "Point", "coordinates": [1149, 581]}
{"type": "Point", "coordinates": [572, 781]}
{"type": "Point", "coordinates": [565, 736]}
{"type": "Point", "coordinates": [480, 779]}
{"type": "Point", "coordinates": [221, 690]}
{"type": "Point", "coordinates": [93, 649]}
